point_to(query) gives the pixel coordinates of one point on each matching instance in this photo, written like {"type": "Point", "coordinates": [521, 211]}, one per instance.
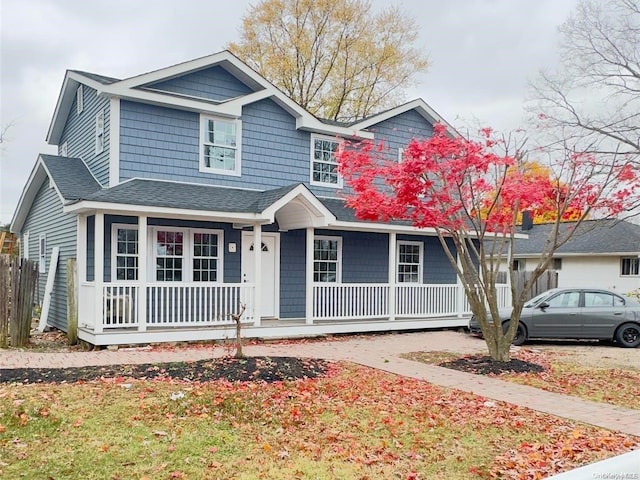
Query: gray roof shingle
{"type": "Point", "coordinates": [98, 78]}
{"type": "Point", "coordinates": [591, 237]}
{"type": "Point", "coordinates": [71, 176]}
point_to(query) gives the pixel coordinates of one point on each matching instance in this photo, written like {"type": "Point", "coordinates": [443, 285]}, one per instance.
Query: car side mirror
{"type": "Point", "coordinates": [543, 306]}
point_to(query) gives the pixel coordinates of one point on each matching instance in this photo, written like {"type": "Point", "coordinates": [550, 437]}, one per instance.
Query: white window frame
{"type": "Point", "coordinates": [79, 100]}
{"type": "Point", "coordinates": [42, 253]}
{"type": "Point", "coordinates": [338, 261]}
{"type": "Point", "coordinates": [420, 246]}
{"type": "Point", "coordinates": [187, 253]}
{"type": "Point", "coordinates": [326, 138]}
{"type": "Point", "coordinates": [633, 269]}
{"type": "Point", "coordinates": [99, 132]}
{"type": "Point", "coordinates": [64, 149]}
{"type": "Point", "coordinates": [114, 250]}
{"type": "Point", "coordinates": [204, 119]}
{"type": "Point", "coordinates": [400, 154]}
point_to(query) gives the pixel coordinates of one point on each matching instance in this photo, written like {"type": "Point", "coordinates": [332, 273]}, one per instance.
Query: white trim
{"type": "Point", "coordinates": [64, 150]}
{"type": "Point", "coordinates": [338, 260]}
{"type": "Point", "coordinates": [42, 253]}
{"type": "Point", "coordinates": [143, 255]}
{"type": "Point", "coordinates": [237, 123]}
{"type": "Point", "coordinates": [24, 247]}
{"type": "Point", "coordinates": [420, 246]}
{"type": "Point", "coordinates": [99, 132]}
{"type": "Point", "coordinates": [114, 142]}
{"type": "Point", "coordinates": [393, 247]}
{"type": "Point", "coordinates": [114, 250]}
{"type": "Point", "coordinates": [79, 99]}
{"type": "Point", "coordinates": [312, 160]}
{"type": "Point", "coordinates": [309, 244]}
{"type": "Point", "coordinates": [98, 271]}
{"type": "Point", "coordinates": [400, 154]}
{"type": "Point", "coordinates": [418, 105]}
{"type": "Point", "coordinates": [81, 248]}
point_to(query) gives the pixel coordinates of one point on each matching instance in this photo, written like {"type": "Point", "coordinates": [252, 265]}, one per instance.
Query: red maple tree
{"type": "Point", "coordinates": [470, 192]}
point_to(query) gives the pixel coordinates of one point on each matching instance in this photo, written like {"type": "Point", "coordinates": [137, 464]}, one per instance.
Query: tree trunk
{"type": "Point", "coordinates": [237, 317]}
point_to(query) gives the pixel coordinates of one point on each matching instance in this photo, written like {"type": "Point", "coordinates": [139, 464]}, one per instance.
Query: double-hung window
{"type": "Point", "coordinates": [220, 141]}
{"type": "Point", "coordinates": [410, 262]}
{"type": "Point", "coordinates": [630, 266]}
{"type": "Point", "coordinates": [189, 255]}
{"type": "Point", "coordinates": [125, 252]}
{"type": "Point", "coordinates": [100, 132]}
{"type": "Point", "coordinates": [324, 165]}
{"type": "Point", "coordinates": [327, 257]}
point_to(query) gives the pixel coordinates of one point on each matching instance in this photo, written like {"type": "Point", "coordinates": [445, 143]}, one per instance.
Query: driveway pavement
{"type": "Point", "coordinates": [377, 351]}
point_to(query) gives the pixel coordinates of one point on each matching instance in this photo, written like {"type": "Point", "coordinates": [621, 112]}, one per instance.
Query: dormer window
{"type": "Point", "coordinates": [220, 145]}
{"type": "Point", "coordinates": [324, 165]}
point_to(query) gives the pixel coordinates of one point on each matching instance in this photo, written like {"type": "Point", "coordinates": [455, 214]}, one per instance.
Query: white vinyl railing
{"type": "Point", "coordinates": [198, 304]}
{"type": "Point", "coordinates": [428, 300]}
{"type": "Point", "coordinates": [350, 300]}
{"type": "Point", "coordinates": [176, 304]}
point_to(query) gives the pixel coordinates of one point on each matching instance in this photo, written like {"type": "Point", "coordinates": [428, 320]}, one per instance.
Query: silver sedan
{"type": "Point", "coordinates": [576, 313]}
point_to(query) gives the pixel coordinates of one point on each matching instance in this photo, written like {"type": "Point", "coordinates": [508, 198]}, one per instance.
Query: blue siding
{"type": "Point", "coordinates": [436, 268]}
{"type": "Point", "coordinates": [79, 134]}
{"type": "Point", "coordinates": [364, 257]}
{"type": "Point", "coordinates": [213, 83]}
{"type": "Point", "coordinates": [46, 217]}
{"type": "Point", "coordinates": [398, 131]}
{"type": "Point", "coordinates": [292, 274]}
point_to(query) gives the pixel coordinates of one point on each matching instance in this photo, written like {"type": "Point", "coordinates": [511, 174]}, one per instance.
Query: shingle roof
{"type": "Point", "coordinates": [345, 214]}
{"type": "Point", "coordinates": [591, 237]}
{"type": "Point", "coordinates": [98, 78]}
{"type": "Point", "coordinates": [71, 176]}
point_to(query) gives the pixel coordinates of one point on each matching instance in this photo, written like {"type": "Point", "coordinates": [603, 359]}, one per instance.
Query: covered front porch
{"type": "Point", "coordinates": [167, 274]}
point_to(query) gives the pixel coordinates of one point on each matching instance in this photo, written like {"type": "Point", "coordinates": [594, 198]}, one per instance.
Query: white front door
{"type": "Point", "coordinates": [270, 281]}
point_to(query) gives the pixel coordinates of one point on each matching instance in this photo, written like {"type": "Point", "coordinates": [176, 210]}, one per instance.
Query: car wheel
{"type": "Point", "coordinates": [628, 335]}
{"type": "Point", "coordinates": [521, 334]}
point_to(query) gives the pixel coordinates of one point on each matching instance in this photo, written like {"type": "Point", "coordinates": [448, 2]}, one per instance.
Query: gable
{"type": "Point", "coordinates": [398, 131]}
{"type": "Point", "coordinates": [214, 83]}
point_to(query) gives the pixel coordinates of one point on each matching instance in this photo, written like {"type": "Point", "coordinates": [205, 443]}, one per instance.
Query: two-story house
{"type": "Point", "coordinates": [189, 191]}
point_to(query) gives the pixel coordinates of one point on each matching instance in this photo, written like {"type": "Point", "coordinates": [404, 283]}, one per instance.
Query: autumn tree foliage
{"type": "Point", "coordinates": [339, 59]}
{"type": "Point", "coordinates": [471, 194]}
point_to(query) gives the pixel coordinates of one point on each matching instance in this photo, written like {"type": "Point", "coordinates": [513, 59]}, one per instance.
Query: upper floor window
{"type": "Point", "coordinates": [409, 262]}
{"type": "Point", "coordinates": [630, 266]}
{"type": "Point", "coordinates": [326, 259]}
{"type": "Point", "coordinates": [100, 132]}
{"type": "Point", "coordinates": [220, 145]}
{"type": "Point", "coordinates": [79, 100]}
{"type": "Point", "coordinates": [519, 265]}
{"type": "Point", "coordinates": [324, 165]}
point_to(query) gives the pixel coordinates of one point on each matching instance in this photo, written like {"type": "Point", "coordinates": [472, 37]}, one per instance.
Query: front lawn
{"type": "Point", "coordinates": [352, 423]}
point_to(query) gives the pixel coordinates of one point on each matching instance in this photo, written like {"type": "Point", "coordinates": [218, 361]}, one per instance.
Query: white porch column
{"type": "Point", "coordinates": [308, 302]}
{"type": "Point", "coordinates": [98, 273]}
{"type": "Point", "coordinates": [81, 250]}
{"type": "Point", "coordinates": [392, 276]}
{"type": "Point", "coordinates": [142, 273]}
{"type": "Point", "coordinates": [257, 269]}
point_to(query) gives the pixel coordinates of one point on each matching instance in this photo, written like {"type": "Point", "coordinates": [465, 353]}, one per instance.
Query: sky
{"type": "Point", "coordinates": [482, 54]}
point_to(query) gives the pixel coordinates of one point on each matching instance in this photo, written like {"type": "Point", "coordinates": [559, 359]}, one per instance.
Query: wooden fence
{"type": "Point", "coordinates": [548, 280]}
{"type": "Point", "coordinates": [18, 279]}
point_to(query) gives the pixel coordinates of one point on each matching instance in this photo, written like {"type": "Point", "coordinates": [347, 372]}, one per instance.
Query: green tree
{"type": "Point", "coordinates": [338, 59]}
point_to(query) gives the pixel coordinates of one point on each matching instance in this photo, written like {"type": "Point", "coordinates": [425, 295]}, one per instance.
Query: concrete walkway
{"type": "Point", "coordinates": [378, 351]}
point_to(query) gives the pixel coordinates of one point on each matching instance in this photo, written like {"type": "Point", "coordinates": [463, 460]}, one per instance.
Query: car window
{"type": "Point", "coordinates": [565, 300]}
{"type": "Point", "coordinates": [598, 299]}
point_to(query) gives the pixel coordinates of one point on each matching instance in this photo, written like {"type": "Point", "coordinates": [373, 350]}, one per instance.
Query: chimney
{"type": "Point", "coordinates": [527, 220]}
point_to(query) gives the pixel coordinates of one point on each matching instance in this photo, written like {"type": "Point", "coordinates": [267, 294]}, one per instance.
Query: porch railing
{"type": "Point", "coordinates": [350, 300]}
{"type": "Point", "coordinates": [196, 304]}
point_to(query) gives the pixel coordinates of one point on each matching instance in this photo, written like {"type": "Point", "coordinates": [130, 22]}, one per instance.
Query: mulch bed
{"type": "Point", "coordinates": [484, 365]}
{"type": "Point", "coordinates": [266, 369]}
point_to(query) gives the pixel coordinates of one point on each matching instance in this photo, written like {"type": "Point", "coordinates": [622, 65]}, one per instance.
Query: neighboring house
{"type": "Point", "coordinates": [166, 182]}
{"type": "Point", "coordinates": [601, 253]}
